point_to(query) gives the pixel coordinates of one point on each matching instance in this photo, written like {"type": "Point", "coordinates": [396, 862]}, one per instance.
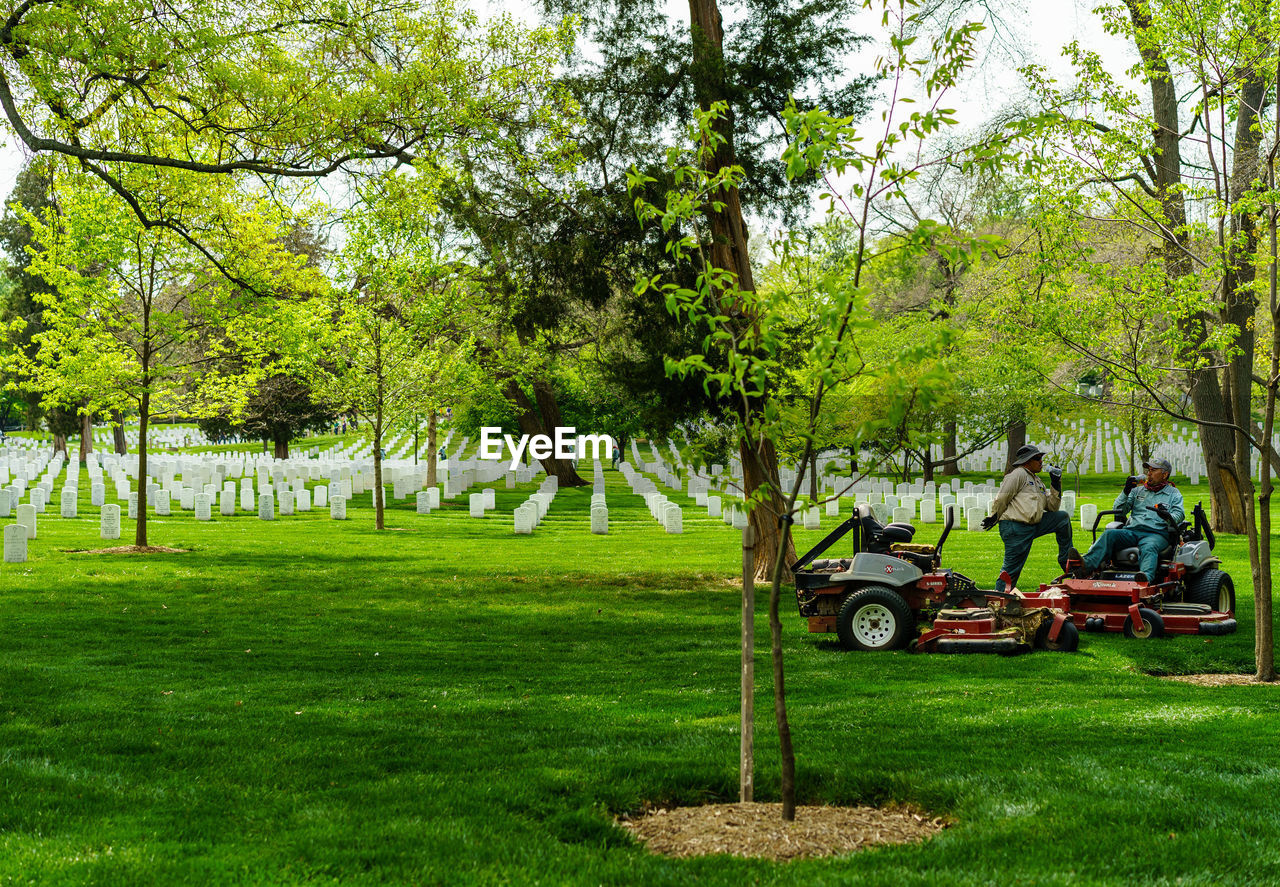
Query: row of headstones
{"type": "Point", "coordinates": [660, 508]}
{"type": "Point", "coordinates": [530, 513]}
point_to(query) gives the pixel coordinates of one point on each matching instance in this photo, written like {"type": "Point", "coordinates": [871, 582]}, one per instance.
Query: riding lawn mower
{"type": "Point", "coordinates": [874, 599]}
{"type": "Point", "coordinates": [1187, 595]}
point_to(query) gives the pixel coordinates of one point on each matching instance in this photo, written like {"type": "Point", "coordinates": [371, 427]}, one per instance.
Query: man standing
{"type": "Point", "coordinates": [1154, 510]}
{"type": "Point", "coordinates": [1027, 510]}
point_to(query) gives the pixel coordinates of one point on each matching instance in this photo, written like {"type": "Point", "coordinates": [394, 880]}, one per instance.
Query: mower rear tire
{"type": "Point", "coordinates": [1068, 637]}
{"type": "Point", "coordinates": [1214, 589]}
{"type": "Point", "coordinates": [1152, 625]}
{"type": "Point", "coordinates": [875, 618]}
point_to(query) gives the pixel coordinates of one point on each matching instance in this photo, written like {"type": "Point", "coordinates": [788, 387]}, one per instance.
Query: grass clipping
{"type": "Point", "coordinates": [757, 830]}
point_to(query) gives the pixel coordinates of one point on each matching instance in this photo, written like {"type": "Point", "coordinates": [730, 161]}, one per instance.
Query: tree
{"type": "Point", "coordinates": [148, 96]}
{"type": "Point", "coordinates": [129, 306]}
{"type": "Point", "coordinates": [720, 301]}
{"type": "Point", "coordinates": [1173, 315]}
{"type": "Point", "coordinates": [400, 328]}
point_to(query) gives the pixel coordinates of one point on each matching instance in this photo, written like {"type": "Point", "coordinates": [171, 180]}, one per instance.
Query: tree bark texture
{"type": "Point", "coordinates": [728, 250]}
{"type": "Point", "coordinates": [1016, 438]}
{"type": "Point", "coordinates": [86, 437]}
{"type": "Point", "coordinates": [541, 415]}
{"type": "Point", "coordinates": [1207, 397]}
{"type": "Point", "coordinates": [117, 433]}
{"type": "Point", "coordinates": [950, 446]}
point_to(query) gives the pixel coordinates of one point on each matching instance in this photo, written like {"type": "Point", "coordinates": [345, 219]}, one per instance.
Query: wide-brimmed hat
{"type": "Point", "coordinates": [1163, 464]}
{"type": "Point", "coordinates": [1027, 453]}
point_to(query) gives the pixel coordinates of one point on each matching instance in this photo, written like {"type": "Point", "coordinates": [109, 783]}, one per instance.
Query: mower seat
{"type": "Point", "coordinates": [1129, 558]}
{"type": "Point", "coordinates": [878, 538]}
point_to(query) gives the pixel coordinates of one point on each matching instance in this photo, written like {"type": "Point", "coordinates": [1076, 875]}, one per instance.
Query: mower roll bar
{"type": "Point", "coordinates": [854, 523]}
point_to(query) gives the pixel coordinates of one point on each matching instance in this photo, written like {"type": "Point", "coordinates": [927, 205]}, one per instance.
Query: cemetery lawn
{"type": "Point", "coordinates": [308, 701]}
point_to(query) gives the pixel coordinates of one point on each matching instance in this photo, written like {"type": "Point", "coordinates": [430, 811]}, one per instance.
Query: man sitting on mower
{"type": "Point", "coordinates": [1154, 511]}
{"type": "Point", "coordinates": [1027, 510]}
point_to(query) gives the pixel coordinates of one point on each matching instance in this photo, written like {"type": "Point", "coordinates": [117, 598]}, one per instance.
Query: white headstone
{"type": "Point", "coordinates": [812, 519]}
{"type": "Point", "coordinates": [27, 519]}
{"type": "Point", "coordinates": [203, 503]}
{"type": "Point", "coordinates": [266, 506]}
{"type": "Point", "coordinates": [673, 520]}
{"type": "Point", "coordinates": [15, 543]}
{"type": "Point", "coordinates": [227, 502]}
{"type": "Point", "coordinates": [423, 502]}
{"type": "Point", "coordinates": [133, 506]}
{"type": "Point", "coordinates": [303, 499]}
{"type": "Point", "coordinates": [6, 502]}
{"type": "Point", "coordinates": [247, 500]}
{"type": "Point", "coordinates": [322, 497]}
{"type": "Point", "coordinates": [187, 498]}
{"type": "Point", "coordinates": [68, 504]}
{"type": "Point", "coordinates": [476, 504]}
{"type": "Point", "coordinates": [525, 516]}
{"type": "Point", "coordinates": [97, 495]}
{"type": "Point", "coordinates": [600, 520]}
{"type": "Point", "coordinates": [37, 500]}
{"type": "Point", "coordinates": [1088, 514]}
{"type": "Point", "coordinates": [433, 497]}
{"type": "Point", "coordinates": [162, 502]}
{"type": "Point", "coordinates": [713, 506]}
{"type": "Point", "coordinates": [109, 522]}
{"type": "Point", "coordinates": [337, 506]}
{"type": "Point", "coordinates": [974, 516]}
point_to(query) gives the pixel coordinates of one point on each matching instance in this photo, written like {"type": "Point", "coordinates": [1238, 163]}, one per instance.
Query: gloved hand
{"type": "Point", "coordinates": [1163, 511]}
{"type": "Point", "coordinates": [1055, 478]}
{"type": "Point", "coordinates": [1129, 485]}
{"type": "Point", "coordinates": [990, 521]}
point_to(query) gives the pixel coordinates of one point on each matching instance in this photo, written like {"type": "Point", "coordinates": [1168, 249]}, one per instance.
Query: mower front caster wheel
{"type": "Point", "coordinates": [1152, 625]}
{"type": "Point", "coordinates": [875, 618]}
{"type": "Point", "coordinates": [1068, 637]}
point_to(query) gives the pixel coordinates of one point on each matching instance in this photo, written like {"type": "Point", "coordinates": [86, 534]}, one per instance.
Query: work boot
{"type": "Point", "coordinates": [1072, 563]}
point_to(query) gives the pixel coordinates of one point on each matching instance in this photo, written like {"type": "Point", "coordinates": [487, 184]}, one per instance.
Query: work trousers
{"type": "Point", "coordinates": [1018, 536]}
{"type": "Point", "coordinates": [1148, 542]}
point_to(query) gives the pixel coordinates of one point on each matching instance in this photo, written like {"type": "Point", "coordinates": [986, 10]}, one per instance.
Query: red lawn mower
{"type": "Point", "coordinates": [1188, 594]}
{"type": "Point", "coordinates": [874, 599]}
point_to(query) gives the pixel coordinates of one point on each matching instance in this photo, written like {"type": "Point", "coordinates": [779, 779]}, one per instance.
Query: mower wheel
{"type": "Point", "coordinates": [875, 618]}
{"type": "Point", "coordinates": [1152, 625]}
{"type": "Point", "coordinates": [1214, 589]}
{"type": "Point", "coordinates": [1068, 637]}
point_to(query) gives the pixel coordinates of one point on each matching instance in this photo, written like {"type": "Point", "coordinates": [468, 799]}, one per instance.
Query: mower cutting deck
{"type": "Point", "coordinates": [875, 599]}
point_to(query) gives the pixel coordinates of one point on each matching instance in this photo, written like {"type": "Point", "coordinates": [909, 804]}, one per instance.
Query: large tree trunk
{"type": "Point", "coordinates": [60, 444]}
{"type": "Point", "coordinates": [728, 250]}
{"type": "Point", "coordinates": [117, 433]}
{"type": "Point", "coordinates": [950, 447]}
{"type": "Point", "coordinates": [1016, 438]}
{"type": "Point", "coordinates": [281, 447]}
{"type": "Point", "coordinates": [86, 437]}
{"type": "Point", "coordinates": [1210, 405]}
{"type": "Point", "coordinates": [542, 416]}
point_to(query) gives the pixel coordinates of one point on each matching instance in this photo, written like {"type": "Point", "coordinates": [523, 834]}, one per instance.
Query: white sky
{"type": "Point", "coordinates": [1042, 29]}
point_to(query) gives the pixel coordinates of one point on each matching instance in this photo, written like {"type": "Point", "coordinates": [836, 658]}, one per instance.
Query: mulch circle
{"type": "Point", "coordinates": [758, 831]}
{"type": "Point", "coordinates": [1220, 680]}
{"type": "Point", "coordinates": [135, 549]}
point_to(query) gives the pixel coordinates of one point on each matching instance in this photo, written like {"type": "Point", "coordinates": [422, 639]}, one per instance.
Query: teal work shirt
{"type": "Point", "coordinates": [1139, 502]}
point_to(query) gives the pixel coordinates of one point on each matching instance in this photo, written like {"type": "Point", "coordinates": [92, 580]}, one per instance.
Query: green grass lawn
{"type": "Point", "coordinates": [308, 701]}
